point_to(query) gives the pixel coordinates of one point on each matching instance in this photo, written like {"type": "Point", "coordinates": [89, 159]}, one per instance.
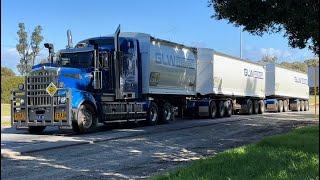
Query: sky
{"type": "Point", "coordinates": [187, 22]}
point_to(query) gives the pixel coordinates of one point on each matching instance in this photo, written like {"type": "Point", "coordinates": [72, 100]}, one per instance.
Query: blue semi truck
{"type": "Point", "coordinates": [133, 77]}
{"type": "Point", "coordinates": [116, 78]}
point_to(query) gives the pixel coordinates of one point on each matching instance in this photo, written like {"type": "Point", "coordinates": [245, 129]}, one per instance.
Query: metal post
{"type": "Point", "coordinates": [315, 93]}
{"type": "Point", "coordinates": [240, 43]}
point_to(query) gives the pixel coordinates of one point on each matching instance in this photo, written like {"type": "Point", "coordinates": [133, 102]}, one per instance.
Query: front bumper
{"type": "Point", "coordinates": [47, 111]}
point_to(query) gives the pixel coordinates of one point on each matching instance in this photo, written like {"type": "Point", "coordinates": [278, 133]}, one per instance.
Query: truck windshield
{"type": "Point", "coordinates": [78, 59]}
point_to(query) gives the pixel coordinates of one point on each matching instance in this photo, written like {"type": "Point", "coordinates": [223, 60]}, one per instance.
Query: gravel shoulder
{"type": "Point", "coordinates": [140, 152]}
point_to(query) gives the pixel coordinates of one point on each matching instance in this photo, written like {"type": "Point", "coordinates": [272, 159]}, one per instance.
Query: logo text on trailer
{"type": "Point", "coordinates": [253, 73]}
{"type": "Point", "coordinates": [300, 80]}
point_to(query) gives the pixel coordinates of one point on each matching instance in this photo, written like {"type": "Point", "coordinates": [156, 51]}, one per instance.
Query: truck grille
{"type": "Point", "coordinates": [36, 89]}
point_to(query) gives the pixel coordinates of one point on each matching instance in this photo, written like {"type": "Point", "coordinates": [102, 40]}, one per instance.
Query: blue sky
{"type": "Point", "coordinates": [186, 22]}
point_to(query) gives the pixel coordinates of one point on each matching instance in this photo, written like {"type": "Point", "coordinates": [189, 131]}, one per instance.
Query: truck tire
{"type": "Point", "coordinates": [285, 106]}
{"type": "Point", "coordinates": [166, 113]}
{"type": "Point", "coordinates": [261, 107]}
{"type": "Point", "coordinates": [298, 106]}
{"type": "Point", "coordinates": [255, 107]}
{"type": "Point", "coordinates": [153, 114]}
{"type": "Point", "coordinates": [306, 105]}
{"type": "Point", "coordinates": [221, 109]}
{"type": "Point", "coordinates": [249, 107]}
{"type": "Point", "coordinates": [228, 105]}
{"type": "Point", "coordinates": [301, 105]}
{"type": "Point", "coordinates": [86, 119]}
{"type": "Point", "coordinates": [213, 109]}
{"type": "Point", "coordinates": [280, 106]}
{"type": "Point", "coordinates": [36, 129]}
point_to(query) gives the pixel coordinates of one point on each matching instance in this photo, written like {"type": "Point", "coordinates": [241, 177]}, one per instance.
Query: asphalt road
{"type": "Point", "coordinates": [129, 152]}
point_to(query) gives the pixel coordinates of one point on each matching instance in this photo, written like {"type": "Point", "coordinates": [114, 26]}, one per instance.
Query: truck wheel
{"type": "Point", "coordinates": [36, 129]}
{"type": "Point", "coordinates": [306, 105]}
{"type": "Point", "coordinates": [221, 109]}
{"type": "Point", "coordinates": [152, 116]}
{"type": "Point", "coordinates": [228, 108]}
{"type": "Point", "coordinates": [86, 119]}
{"type": "Point", "coordinates": [255, 107]}
{"type": "Point", "coordinates": [213, 109]}
{"type": "Point", "coordinates": [298, 105]}
{"type": "Point", "coordinates": [249, 106]}
{"type": "Point", "coordinates": [301, 105]}
{"type": "Point", "coordinates": [166, 113]}
{"type": "Point", "coordinates": [280, 106]}
{"type": "Point", "coordinates": [285, 106]}
{"type": "Point", "coordinates": [261, 107]}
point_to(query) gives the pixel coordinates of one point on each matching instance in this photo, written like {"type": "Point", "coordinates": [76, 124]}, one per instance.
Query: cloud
{"type": "Point", "coordinates": [275, 52]}
{"type": "Point", "coordinates": [10, 57]}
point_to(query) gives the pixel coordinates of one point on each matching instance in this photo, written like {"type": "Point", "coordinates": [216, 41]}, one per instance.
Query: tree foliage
{"type": "Point", "coordinates": [296, 65]}
{"type": "Point", "coordinates": [268, 59]}
{"type": "Point", "coordinates": [6, 72]}
{"type": "Point", "coordinates": [9, 82]}
{"type": "Point", "coordinates": [28, 50]}
{"type": "Point", "coordinates": [298, 18]}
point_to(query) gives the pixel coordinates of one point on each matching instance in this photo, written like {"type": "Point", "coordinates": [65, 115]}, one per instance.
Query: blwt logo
{"type": "Point", "coordinates": [300, 80]}
{"type": "Point", "coordinates": [253, 73]}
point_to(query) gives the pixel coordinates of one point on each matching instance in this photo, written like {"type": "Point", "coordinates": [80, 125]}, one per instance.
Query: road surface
{"type": "Point", "coordinates": [134, 152]}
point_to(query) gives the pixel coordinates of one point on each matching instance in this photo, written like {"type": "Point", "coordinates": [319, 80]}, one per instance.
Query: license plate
{"type": "Point", "coordinates": [40, 117]}
{"type": "Point", "coordinates": [60, 116]}
{"type": "Point", "coordinates": [19, 116]}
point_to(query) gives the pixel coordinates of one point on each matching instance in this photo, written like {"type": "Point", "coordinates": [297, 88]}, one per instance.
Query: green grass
{"type": "Point", "coordinates": [5, 110]}
{"type": "Point", "coordinates": [290, 156]}
{"type": "Point", "coordinates": [5, 123]}
{"type": "Point", "coordinates": [311, 99]}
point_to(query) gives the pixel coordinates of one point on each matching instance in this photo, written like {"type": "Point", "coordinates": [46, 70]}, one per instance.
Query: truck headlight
{"type": "Point", "coordinates": [62, 100]}
{"type": "Point", "coordinates": [21, 87]}
{"type": "Point", "coordinates": [22, 101]}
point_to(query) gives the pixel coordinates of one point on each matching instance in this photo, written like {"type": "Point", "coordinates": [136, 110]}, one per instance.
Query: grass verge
{"type": "Point", "coordinates": [294, 155]}
{"type": "Point", "coordinates": [5, 110]}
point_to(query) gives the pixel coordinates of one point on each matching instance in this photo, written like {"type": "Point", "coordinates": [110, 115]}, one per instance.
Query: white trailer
{"type": "Point", "coordinates": [286, 89]}
{"type": "Point", "coordinates": [228, 84]}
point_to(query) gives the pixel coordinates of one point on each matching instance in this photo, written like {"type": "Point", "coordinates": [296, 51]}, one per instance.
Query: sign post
{"type": "Point", "coordinates": [315, 92]}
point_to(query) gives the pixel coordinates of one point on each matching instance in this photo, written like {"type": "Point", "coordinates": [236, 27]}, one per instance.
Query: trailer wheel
{"type": "Point", "coordinates": [36, 129]}
{"type": "Point", "coordinates": [213, 109]}
{"type": "Point", "coordinates": [298, 105]}
{"type": "Point", "coordinates": [306, 105]}
{"type": "Point", "coordinates": [221, 109]}
{"type": "Point", "coordinates": [86, 119]}
{"type": "Point", "coordinates": [255, 107]}
{"type": "Point", "coordinates": [166, 113]}
{"type": "Point", "coordinates": [152, 116]}
{"type": "Point", "coordinates": [261, 107]}
{"type": "Point", "coordinates": [249, 106]}
{"type": "Point", "coordinates": [301, 105]}
{"type": "Point", "coordinates": [228, 108]}
{"type": "Point", "coordinates": [285, 106]}
{"type": "Point", "coordinates": [280, 106]}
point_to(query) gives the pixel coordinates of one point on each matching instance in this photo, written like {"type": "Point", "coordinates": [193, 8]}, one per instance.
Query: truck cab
{"type": "Point", "coordinates": [95, 81]}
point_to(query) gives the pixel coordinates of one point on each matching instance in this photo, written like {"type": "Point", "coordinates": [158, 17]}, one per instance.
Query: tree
{"type": "Point", "coordinates": [28, 51]}
{"type": "Point", "coordinates": [298, 18]}
{"type": "Point", "coordinates": [6, 72]}
{"type": "Point", "coordinates": [36, 39]}
{"type": "Point", "coordinates": [268, 59]}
